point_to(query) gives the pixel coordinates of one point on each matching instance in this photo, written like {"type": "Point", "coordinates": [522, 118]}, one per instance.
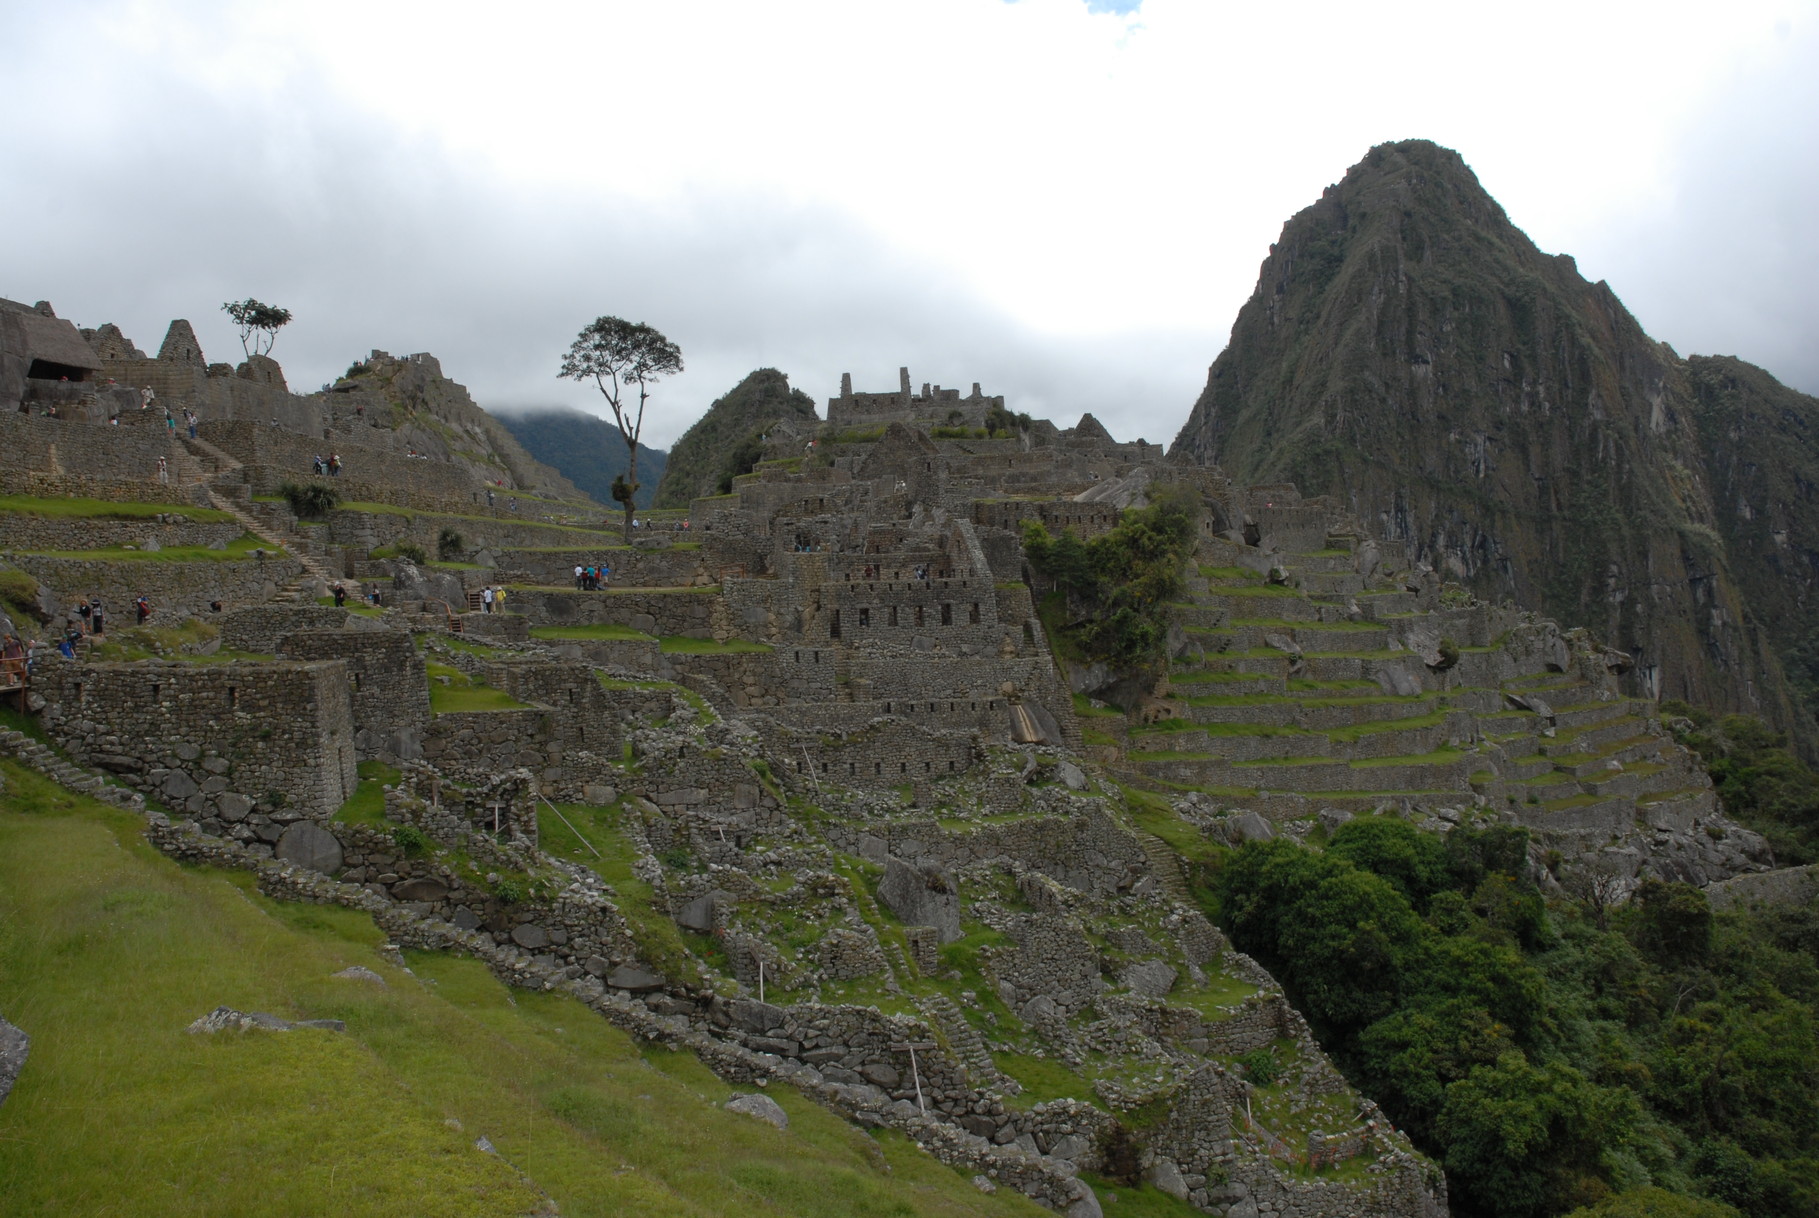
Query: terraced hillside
{"type": "Point", "coordinates": [1309, 684]}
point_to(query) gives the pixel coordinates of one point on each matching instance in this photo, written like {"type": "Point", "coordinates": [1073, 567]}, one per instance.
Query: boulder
{"type": "Point", "coordinates": [530, 936]}
{"type": "Point", "coordinates": [15, 1045]}
{"type": "Point", "coordinates": [179, 786]}
{"type": "Point", "coordinates": [233, 806]}
{"type": "Point", "coordinates": [308, 844]}
{"type": "Point", "coordinates": [1151, 978]}
{"type": "Point", "coordinates": [630, 977]}
{"type": "Point", "coordinates": [762, 1107]}
{"type": "Point", "coordinates": [1070, 775]}
{"type": "Point", "coordinates": [1166, 1178]}
{"type": "Point", "coordinates": [360, 972]}
{"type": "Point", "coordinates": [697, 915]}
{"type": "Point", "coordinates": [423, 889]}
{"type": "Point", "coordinates": [1248, 826]}
{"type": "Point", "coordinates": [921, 896]}
{"type": "Point", "coordinates": [1397, 681]}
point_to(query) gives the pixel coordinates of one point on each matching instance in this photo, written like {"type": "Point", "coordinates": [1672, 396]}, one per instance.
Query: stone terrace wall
{"type": "Point", "coordinates": [64, 446]}
{"type": "Point", "coordinates": [123, 490]}
{"type": "Point", "coordinates": [691, 614]}
{"type": "Point", "coordinates": [273, 455]}
{"type": "Point", "coordinates": [281, 735]}
{"type": "Point", "coordinates": [175, 588]}
{"type": "Point", "coordinates": [21, 532]}
{"type": "Point", "coordinates": [883, 753]}
{"type": "Point", "coordinates": [260, 627]}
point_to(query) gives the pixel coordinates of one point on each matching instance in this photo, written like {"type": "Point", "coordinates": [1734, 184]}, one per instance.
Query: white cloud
{"type": "Point", "coordinates": [1068, 206]}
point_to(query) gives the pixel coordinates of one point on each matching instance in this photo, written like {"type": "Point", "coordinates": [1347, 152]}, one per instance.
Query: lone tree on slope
{"type": "Point", "coordinates": [616, 355]}
{"type": "Point", "coordinates": [257, 321]}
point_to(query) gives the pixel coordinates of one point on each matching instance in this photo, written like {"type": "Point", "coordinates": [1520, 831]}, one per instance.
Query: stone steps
{"type": "Point", "coordinates": [1165, 865]}
{"type": "Point", "coordinates": [311, 565]}
{"type": "Point", "coordinates": [965, 1043]}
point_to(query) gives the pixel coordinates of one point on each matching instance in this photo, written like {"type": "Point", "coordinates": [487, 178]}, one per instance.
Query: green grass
{"type": "Point", "coordinates": [1044, 1078]}
{"type": "Point", "coordinates": [602, 630]}
{"type": "Point", "coordinates": [674, 644]}
{"type": "Point", "coordinates": [240, 548]}
{"type": "Point", "coordinates": [366, 806]}
{"type": "Point", "coordinates": [111, 950]}
{"type": "Point", "coordinates": [106, 509]}
{"type": "Point", "coordinates": [353, 606]}
{"type": "Point", "coordinates": [463, 693]}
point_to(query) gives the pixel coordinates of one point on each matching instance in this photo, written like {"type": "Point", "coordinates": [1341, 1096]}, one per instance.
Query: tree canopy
{"type": "Point", "coordinates": [259, 324]}
{"type": "Point", "coordinates": [618, 356]}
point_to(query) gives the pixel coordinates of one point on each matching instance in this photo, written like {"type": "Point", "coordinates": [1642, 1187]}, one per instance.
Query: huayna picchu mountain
{"type": "Point", "coordinates": [1411, 352]}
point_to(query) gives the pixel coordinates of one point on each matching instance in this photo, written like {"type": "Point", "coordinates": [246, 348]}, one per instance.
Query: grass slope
{"type": "Point", "coordinates": [108, 951]}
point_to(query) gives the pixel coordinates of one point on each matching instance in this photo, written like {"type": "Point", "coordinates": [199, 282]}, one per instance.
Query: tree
{"type": "Point", "coordinates": [616, 355]}
{"type": "Point", "coordinates": [256, 319]}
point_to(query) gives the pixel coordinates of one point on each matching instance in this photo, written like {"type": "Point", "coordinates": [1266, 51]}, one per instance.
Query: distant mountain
{"type": "Point", "coordinates": [587, 450]}
{"type": "Point", "coordinates": [723, 442]}
{"type": "Point", "coordinates": [1410, 351]}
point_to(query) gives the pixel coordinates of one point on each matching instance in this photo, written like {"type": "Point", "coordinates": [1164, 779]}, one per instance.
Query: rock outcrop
{"type": "Point", "coordinates": [1411, 352]}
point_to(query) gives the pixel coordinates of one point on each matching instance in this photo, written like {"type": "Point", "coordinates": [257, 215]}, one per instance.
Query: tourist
{"type": "Point", "coordinates": [486, 598]}
{"type": "Point", "coordinates": [513, 503]}
{"type": "Point", "coordinates": [142, 610]}
{"type": "Point", "coordinates": [340, 593]}
{"type": "Point", "coordinates": [189, 417]}
{"type": "Point", "coordinates": [334, 465]}
{"type": "Point", "coordinates": [164, 470]}
{"type": "Point", "coordinates": [96, 615]}
{"type": "Point", "coordinates": [580, 575]}
{"type": "Point", "coordinates": [81, 615]}
{"type": "Point", "coordinates": [113, 420]}
{"type": "Point", "coordinates": [499, 598]}
{"type": "Point", "coordinates": [66, 646]}
{"type": "Point", "coordinates": [489, 496]}
{"type": "Point", "coordinates": [145, 398]}
{"type": "Point", "coordinates": [214, 606]}
{"type": "Point", "coordinates": [606, 575]}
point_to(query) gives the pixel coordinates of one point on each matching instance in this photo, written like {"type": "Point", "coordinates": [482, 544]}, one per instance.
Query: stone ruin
{"type": "Point", "coordinates": [820, 722]}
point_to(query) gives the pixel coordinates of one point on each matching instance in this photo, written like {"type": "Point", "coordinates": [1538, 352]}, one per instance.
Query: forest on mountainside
{"type": "Point", "coordinates": [587, 450]}
{"type": "Point", "coordinates": [1557, 1053]}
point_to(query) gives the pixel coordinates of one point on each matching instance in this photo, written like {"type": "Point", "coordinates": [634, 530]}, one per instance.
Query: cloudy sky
{"type": "Point", "coordinates": [1066, 200]}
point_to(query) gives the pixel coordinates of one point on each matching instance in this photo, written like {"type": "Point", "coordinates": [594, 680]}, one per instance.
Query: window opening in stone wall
{"type": "Point", "coordinates": [918, 615]}
{"type": "Point", "coordinates": [893, 615]}
{"type": "Point", "coordinates": [973, 616]}
{"type": "Point", "coordinates": [155, 689]}
{"type": "Point", "coordinates": [947, 614]}
{"type": "Point", "coordinates": [950, 767]}
{"type": "Point", "coordinates": [877, 767]}
{"type": "Point", "coordinates": [233, 695]}
{"type": "Point", "coordinates": [833, 625]}
{"type": "Point", "coordinates": [865, 617]}
{"type": "Point", "coordinates": [903, 767]}
{"type": "Point", "coordinates": [355, 678]}
{"type": "Point", "coordinates": [817, 656]}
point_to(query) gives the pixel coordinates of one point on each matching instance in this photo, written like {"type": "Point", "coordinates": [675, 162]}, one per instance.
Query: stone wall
{"type": "Point", "coordinates": [23, 532]}
{"type": "Point", "coordinates": [693, 614]}
{"type": "Point", "coordinates": [260, 627]}
{"type": "Point", "coordinates": [214, 741]}
{"type": "Point", "coordinates": [387, 684]}
{"type": "Point", "coordinates": [176, 589]}
{"type": "Point", "coordinates": [66, 446]}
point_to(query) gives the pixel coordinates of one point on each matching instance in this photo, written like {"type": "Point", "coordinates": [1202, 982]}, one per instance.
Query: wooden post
{"type": "Point", "coordinates": [910, 1046]}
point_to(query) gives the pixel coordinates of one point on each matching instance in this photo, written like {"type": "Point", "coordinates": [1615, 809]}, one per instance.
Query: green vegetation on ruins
{"type": "Point", "coordinates": [112, 950]}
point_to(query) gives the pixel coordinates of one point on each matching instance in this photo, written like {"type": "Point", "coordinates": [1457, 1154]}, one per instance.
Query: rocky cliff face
{"type": "Point", "coordinates": [724, 441]}
{"type": "Point", "coordinates": [1411, 351]}
{"type": "Point", "coordinates": [437, 417]}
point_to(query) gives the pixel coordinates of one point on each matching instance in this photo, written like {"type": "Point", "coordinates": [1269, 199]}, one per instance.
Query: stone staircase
{"type": "Point", "coordinates": [47, 761]}
{"type": "Point", "coordinates": [300, 590]}
{"type": "Point", "coordinates": [967, 1046]}
{"type": "Point", "coordinates": [1165, 865]}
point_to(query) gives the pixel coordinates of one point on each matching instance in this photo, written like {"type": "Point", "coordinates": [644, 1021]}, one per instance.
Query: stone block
{"type": "Point", "coordinates": [628, 977]}
{"type": "Point", "coordinates": [763, 1107]}
{"type": "Point", "coordinates": [307, 844]}
{"type": "Point", "coordinates": [921, 896]}
{"type": "Point", "coordinates": [423, 889]}
{"type": "Point", "coordinates": [530, 936]}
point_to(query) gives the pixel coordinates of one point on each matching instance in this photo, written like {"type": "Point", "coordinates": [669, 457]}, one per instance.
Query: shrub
{"type": "Point", "coordinates": [511, 891]}
{"type": "Point", "coordinates": [449, 545]}
{"type": "Point", "coordinates": [410, 840]}
{"type": "Point", "coordinates": [310, 500]}
{"type": "Point", "coordinates": [19, 591]}
{"type": "Point", "coordinates": [412, 551]}
{"type": "Point", "coordinates": [1260, 1067]}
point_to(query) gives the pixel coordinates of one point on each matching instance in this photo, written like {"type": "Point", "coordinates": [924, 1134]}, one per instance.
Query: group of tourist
{"type": "Point", "coordinates": [592, 579]}
{"type": "Point", "coordinates": [330, 466]}
{"type": "Point", "coordinates": [492, 598]}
